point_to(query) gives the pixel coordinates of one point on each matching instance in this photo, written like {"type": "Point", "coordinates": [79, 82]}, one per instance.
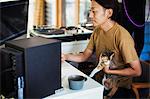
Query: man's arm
{"type": "Point", "coordinates": [133, 70]}
{"type": "Point", "coordinates": [77, 58]}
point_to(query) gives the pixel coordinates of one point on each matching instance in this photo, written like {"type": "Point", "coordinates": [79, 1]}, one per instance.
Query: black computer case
{"type": "Point", "coordinates": [41, 65]}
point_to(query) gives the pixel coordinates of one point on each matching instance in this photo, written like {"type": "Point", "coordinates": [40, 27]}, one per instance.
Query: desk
{"type": "Point", "coordinates": [90, 90]}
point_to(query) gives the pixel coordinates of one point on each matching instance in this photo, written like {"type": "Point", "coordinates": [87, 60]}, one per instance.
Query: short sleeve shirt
{"type": "Point", "coordinates": [118, 40]}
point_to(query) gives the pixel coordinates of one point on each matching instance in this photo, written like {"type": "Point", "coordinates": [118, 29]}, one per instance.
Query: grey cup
{"type": "Point", "coordinates": [76, 82]}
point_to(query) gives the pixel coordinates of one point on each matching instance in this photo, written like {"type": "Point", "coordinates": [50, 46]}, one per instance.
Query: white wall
{"type": "Point", "coordinates": [30, 15]}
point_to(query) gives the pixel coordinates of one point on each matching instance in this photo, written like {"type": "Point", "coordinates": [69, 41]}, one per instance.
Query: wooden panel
{"type": "Point", "coordinates": [39, 13]}
{"type": "Point", "coordinates": [58, 13]}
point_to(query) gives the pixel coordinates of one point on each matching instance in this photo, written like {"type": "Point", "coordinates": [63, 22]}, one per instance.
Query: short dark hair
{"type": "Point", "coordinates": [109, 4]}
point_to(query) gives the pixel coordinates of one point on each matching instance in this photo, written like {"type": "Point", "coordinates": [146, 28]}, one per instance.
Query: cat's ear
{"type": "Point", "coordinates": [112, 56]}
{"type": "Point", "coordinates": [100, 57]}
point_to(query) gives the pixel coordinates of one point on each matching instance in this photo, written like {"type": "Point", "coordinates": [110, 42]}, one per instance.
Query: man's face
{"type": "Point", "coordinates": [97, 14]}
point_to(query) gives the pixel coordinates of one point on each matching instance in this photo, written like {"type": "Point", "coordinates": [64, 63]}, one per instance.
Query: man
{"type": "Point", "coordinates": [108, 34]}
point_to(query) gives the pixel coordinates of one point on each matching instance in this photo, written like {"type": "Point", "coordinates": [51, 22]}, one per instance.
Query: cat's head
{"type": "Point", "coordinates": [106, 56]}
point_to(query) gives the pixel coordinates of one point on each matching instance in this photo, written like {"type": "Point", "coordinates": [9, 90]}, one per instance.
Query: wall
{"type": "Point", "coordinates": [30, 15]}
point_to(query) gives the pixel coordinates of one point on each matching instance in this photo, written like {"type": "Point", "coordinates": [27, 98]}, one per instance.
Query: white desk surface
{"type": "Point", "coordinates": [90, 90]}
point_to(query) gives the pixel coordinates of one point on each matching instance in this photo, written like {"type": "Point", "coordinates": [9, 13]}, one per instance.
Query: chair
{"type": "Point", "coordinates": [143, 81]}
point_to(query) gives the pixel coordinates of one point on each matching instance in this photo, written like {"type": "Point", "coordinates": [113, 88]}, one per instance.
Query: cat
{"type": "Point", "coordinates": [104, 60]}
{"type": "Point", "coordinates": [109, 81]}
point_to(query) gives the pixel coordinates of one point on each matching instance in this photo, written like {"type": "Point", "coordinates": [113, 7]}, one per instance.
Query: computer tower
{"type": "Point", "coordinates": [41, 65]}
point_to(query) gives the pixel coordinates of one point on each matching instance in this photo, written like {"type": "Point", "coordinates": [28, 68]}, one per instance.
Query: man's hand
{"type": "Point", "coordinates": [106, 69]}
{"type": "Point", "coordinates": [63, 57]}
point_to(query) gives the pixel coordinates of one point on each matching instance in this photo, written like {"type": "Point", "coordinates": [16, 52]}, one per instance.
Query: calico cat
{"type": "Point", "coordinates": [105, 59]}
{"type": "Point", "coordinates": [109, 81]}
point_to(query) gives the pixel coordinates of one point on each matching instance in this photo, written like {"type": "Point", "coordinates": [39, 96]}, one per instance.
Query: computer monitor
{"type": "Point", "coordinates": [13, 19]}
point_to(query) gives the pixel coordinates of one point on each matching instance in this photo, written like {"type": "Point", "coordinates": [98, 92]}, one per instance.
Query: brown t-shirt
{"type": "Point", "coordinates": [120, 42]}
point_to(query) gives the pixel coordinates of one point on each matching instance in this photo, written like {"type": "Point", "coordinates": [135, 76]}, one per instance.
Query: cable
{"type": "Point", "coordinates": [131, 20]}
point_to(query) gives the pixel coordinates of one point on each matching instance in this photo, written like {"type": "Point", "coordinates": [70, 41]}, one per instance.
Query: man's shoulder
{"type": "Point", "coordinates": [121, 31]}
{"type": "Point", "coordinates": [121, 28]}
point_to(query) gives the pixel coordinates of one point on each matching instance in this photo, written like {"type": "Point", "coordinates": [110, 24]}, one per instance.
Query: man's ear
{"type": "Point", "coordinates": [109, 12]}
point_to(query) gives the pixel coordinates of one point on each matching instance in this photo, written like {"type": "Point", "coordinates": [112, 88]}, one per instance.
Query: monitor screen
{"type": "Point", "coordinates": [13, 19]}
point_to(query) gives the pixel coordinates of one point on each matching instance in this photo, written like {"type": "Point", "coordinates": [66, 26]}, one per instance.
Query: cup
{"type": "Point", "coordinates": [76, 82]}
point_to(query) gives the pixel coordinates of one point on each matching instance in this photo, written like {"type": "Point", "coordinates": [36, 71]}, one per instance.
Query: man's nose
{"type": "Point", "coordinates": [90, 14]}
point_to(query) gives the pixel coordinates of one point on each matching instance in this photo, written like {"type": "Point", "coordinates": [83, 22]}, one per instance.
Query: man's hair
{"type": "Point", "coordinates": [109, 4]}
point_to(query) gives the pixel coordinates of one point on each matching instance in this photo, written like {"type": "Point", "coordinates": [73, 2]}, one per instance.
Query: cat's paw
{"type": "Point", "coordinates": [94, 72]}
